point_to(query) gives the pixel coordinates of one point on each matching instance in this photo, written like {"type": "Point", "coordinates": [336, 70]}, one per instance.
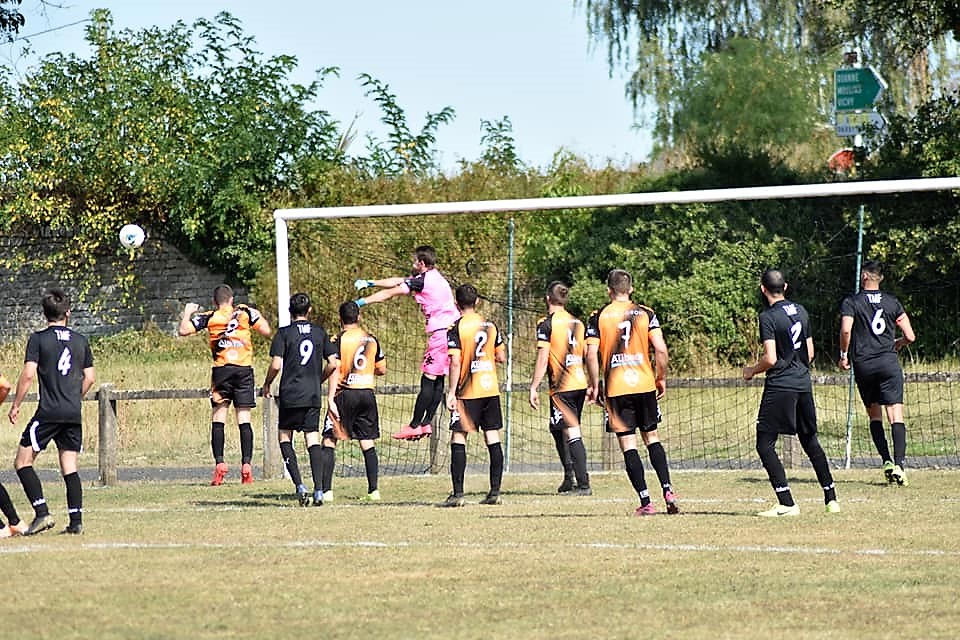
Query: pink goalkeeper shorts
{"type": "Point", "coordinates": [436, 360]}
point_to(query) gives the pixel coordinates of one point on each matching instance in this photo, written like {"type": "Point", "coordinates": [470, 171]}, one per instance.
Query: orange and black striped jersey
{"type": "Point", "coordinates": [622, 330]}
{"type": "Point", "coordinates": [563, 335]}
{"type": "Point", "coordinates": [477, 341]}
{"type": "Point", "coordinates": [230, 338]}
{"type": "Point", "coordinates": [361, 359]}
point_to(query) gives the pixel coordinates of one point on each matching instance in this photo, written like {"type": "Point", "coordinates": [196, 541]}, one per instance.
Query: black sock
{"type": "Point", "coordinates": [578, 454]}
{"type": "Point", "coordinates": [34, 490]}
{"type": "Point", "coordinates": [880, 439]}
{"type": "Point", "coordinates": [6, 506]}
{"type": "Point", "coordinates": [246, 443]}
{"type": "Point", "coordinates": [767, 450]}
{"type": "Point", "coordinates": [458, 466]}
{"type": "Point", "coordinates": [329, 462]}
{"type": "Point", "coordinates": [74, 497]}
{"type": "Point", "coordinates": [372, 464]}
{"type": "Point", "coordinates": [563, 451]}
{"type": "Point", "coordinates": [435, 400]}
{"type": "Point", "coordinates": [429, 398]}
{"type": "Point", "coordinates": [496, 466]}
{"type": "Point", "coordinates": [634, 466]}
{"type": "Point", "coordinates": [216, 441]}
{"type": "Point", "coordinates": [811, 446]}
{"type": "Point", "coordinates": [316, 465]}
{"type": "Point", "coordinates": [899, 432]}
{"type": "Point", "coordinates": [658, 459]}
{"type": "Point", "coordinates": [422, 402]}
{"type": "Point", "coordinates": [290, 462]}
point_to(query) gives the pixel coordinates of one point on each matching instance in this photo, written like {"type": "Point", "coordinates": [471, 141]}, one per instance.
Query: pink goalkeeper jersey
{"type": "Point", "coordinates": [432, 291]}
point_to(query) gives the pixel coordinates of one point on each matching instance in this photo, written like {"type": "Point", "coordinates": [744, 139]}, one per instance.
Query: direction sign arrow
{"type": "Point", "coordinates": [857, 88]}
{"type": "Point", "coordinates": [851, 124]}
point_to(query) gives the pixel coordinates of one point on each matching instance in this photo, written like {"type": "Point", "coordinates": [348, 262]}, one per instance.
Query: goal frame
{"type": "Point", "coordinates": [814, 190]}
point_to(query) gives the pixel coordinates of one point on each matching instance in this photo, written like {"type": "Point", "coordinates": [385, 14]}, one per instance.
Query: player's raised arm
{"type": "Point", "coordinates": [186, 327]}
{"type": "Point", "coordinates": [399, 289]}
{"type": "Point", "coordinates": [383, 283]}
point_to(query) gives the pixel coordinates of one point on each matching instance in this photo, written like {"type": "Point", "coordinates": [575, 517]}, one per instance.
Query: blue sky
{"type": "Point", "coordinates": [530, 60]}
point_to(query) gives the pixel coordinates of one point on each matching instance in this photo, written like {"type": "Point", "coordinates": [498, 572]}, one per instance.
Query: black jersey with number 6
{"type": "Point", "coordinates": [874, 316]}
{"type": "Point", "coordinates": [304, 347]}
{"type": "Point", "coordinates": [788, 325]}
{"type": "Point", "coordinates": [61, 355]}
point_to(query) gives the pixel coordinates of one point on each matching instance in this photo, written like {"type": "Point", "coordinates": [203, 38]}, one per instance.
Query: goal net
{"type": "Point", "coordinates": [709, 413]}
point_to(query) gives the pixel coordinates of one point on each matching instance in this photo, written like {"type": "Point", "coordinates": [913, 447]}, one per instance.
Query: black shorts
{"type": "Point", "coordinates": [477, 413]}
{"type": "Point", "coordinates": [879, 383]}
{"type": "Point", "coordinates": [231, 383]}
{"type": "Point", "coordinates": [306, 419]}
{"type": "Point", "coordinates": [565, 409]}
{"type": "Point", "coordinates": [67, 435]}
{"type": "Point", "coordinates": [626, 414]}
{"type": "Point", "coordinates": [788, 412]}
{"type": "Point", "coordinates": [359, 416]}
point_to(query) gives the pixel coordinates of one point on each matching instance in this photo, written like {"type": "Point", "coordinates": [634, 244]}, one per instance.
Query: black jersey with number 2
{"type": "Point", "coordinates": [61, 355]}
{"type": "Point", "coordinates": [304, 347]}
{"type": "Point", "coordinates": [788, 325]}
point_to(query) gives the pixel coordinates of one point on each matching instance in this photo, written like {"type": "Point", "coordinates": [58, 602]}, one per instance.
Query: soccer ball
{"type": "Point", "coordinates": [132, 236]}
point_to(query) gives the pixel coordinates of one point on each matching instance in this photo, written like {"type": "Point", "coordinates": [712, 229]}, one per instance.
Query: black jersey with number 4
{"type": "Point", "coordinates": [304, 347]}
{"type": "Point", "coordinates": [874, 316]}
{"type": "Point", "coordinates": [787, 324]}
{"type": "Point", "coordinates": [61, 355]}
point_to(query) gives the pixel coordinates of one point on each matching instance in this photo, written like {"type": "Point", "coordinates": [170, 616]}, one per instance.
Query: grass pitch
{"type": "Point", "coordinates": [162, 560]}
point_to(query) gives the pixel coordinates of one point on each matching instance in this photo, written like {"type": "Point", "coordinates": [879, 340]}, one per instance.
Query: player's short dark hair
{"type": "Point", "coordinates": [874, 268]}
{"type": "Point", "coordinates": [426, 254]}
{"type": "Point", "coordinates": [222, 294]}
{"type": "Point", "coordinates": [773, 281]}
{"type": "Point", "coordinates": [466, 295]}
{"type": "Point", "coordinates": [299, 304]}
{"type": "Point", "coordinates": [620, 281]}
{"type": "Point", "coordinates": [349, 312]}
{"type": "Point", "coordinates": [558, 293]}
{"type": "Point", "coordinates": [56, 304]}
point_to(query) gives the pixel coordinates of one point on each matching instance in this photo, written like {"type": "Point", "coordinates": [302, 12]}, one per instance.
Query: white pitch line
{"type": "Point", "coordinates": [375, 544]}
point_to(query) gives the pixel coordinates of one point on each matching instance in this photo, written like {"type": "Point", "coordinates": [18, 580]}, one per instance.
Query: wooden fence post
{"type": "Point", "coordinates": [107, 446]}
{"type": "Point", "coordinates": [789, 451]}
{"type": "Point", "coordinates": [272, 466]}
{"type": "Point", "coordinates": [610, 452]}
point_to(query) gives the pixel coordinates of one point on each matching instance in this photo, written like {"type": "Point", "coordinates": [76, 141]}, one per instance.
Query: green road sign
{"type": "Point", "coordinates": [857, 88]}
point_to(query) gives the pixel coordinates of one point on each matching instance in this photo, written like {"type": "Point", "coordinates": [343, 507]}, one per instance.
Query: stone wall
{"type": "Point", "coordinates": [168, 280]}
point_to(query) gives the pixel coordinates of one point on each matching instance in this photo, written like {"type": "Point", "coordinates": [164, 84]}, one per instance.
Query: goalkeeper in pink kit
{"type": "Point", "coordinates": [432, 291]}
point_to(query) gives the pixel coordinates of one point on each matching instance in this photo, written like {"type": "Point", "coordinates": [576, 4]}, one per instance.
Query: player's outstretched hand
{"type": "Point", "coordinates": [362, 284]}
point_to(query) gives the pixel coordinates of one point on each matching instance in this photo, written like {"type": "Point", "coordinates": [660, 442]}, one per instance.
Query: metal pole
{"type": "Point", "coordinates": [509, 405]}
{"type": "Point", "coordinates": [850, 389]}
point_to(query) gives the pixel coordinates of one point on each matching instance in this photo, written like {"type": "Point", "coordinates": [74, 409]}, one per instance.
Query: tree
{"type": "Point", "coordinates": [10, 18]}
{"type": "Point", "coordinates": [660, 43]}
{"type": "Point", "coordinates": [190, 141]}
{"type": "Point", "coordinates": [750, 96]}
{"type": "Point", "coordinates": [404, 152]}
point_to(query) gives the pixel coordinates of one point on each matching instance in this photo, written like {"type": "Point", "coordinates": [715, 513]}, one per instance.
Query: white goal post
{"type": "Point", "coordinates": [281, 216]}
